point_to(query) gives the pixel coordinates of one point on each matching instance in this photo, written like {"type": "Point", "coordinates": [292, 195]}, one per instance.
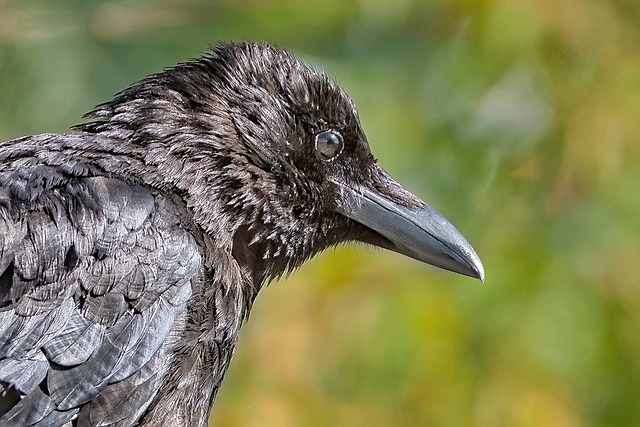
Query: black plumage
{"type": "Point", "coordinates": [132, 249]}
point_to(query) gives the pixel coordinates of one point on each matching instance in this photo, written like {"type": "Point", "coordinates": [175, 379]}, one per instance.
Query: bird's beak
{"type": "Point", "coordinates": [418, 232]}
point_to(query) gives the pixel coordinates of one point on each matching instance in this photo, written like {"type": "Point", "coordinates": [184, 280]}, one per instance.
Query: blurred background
{"type": "Point", "coordinates": [517, 120]}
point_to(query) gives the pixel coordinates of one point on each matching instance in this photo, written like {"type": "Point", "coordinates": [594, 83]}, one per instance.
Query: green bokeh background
{"type": "Point", "coordinates": [518, 120]}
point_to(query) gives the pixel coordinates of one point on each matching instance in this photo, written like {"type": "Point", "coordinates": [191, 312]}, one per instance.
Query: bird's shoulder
{"type": "Point", "coordinates": [89, 232]}
{"type": "Point", "coordinates": [95, 275]}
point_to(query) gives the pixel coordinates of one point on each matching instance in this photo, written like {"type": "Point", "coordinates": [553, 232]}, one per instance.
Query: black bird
{"type": "Point", "coordinates": [132, 249]}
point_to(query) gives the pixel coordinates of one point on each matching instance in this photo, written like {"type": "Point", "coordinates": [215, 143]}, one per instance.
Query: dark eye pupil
{"type": "Point", "coordinates": [328, 144]}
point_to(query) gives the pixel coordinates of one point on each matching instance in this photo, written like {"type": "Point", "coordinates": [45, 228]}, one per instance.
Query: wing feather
{"type": "Point", "coordinates": [73, 345]}
{"type": "Point", "coordinates": [25, 374]}
{"type": "Point", "coordinates": [33, 409]}
{"type": "Point", "coordinates": [95, 277]}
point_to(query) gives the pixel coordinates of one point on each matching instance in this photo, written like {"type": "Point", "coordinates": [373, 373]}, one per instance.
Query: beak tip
{"type": "Point", "coordinates": [480, 273]}
{"type": "Point", "coordinates": [476, 267]}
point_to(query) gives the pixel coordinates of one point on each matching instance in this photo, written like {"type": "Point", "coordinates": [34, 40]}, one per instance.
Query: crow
{"type": "Point", "coordinates": [133, 247]}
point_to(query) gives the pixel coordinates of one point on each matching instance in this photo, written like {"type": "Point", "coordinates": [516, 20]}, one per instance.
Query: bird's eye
{"type": "Point", "coordinates": [329, 145]}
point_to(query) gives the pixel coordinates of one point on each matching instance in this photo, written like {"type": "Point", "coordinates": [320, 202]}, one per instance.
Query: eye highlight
{"type": "Point", "coordinates": [329, 145]}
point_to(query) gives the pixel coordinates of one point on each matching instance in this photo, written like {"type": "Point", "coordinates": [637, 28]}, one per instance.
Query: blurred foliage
{"type": "Point", "coordinates": [518, 120]}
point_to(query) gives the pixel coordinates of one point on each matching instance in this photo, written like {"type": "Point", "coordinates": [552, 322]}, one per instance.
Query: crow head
{"type": "Point", "coordinates": [270, 157]}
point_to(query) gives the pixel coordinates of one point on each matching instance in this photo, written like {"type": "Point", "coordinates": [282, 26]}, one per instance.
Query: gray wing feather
{"type": "Point", "coordinates": [34, 331]}
{"type": "Point", "coordinates": [33, 409]}
{"type": "Point", "coordinates": [54, 418]}
{"type": "Point", "coordinates": [72, 387]}
{"type": "Point", "coordinates": [24, 374]}
{"type": "Point", "coordinates": [154, 335]}
{"type": "Point", "coordinates": [124, 401]}
{"type": "Point", "coordinates": [73, 346]}
{"type": "Point", "coordinates": [95, 276]}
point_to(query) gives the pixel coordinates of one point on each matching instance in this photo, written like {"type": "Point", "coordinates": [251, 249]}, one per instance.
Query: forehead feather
{"type": "Point", "coordinates": [281, 74]}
